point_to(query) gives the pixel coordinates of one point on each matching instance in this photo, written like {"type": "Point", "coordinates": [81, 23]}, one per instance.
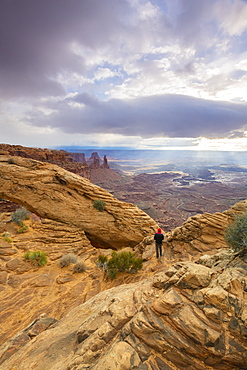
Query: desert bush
{"type": "Point", "coordinates": [119, 262]}
{"type": "Point", "coordinates": [38, 258]}
{"type": "Point", "coordinates": [112, 273]}
{"type": "Point", "coordinates": [101, 260]}
{"type": "Point", "coordinates": [236, 234]}
{"type": "Point", "coordinates": [79, 267]}
{"type": "Point", "coordinates": [124, 262]}
{"type": "Point", "coordinates": [67, 259]}
{"type": "Point", "coordinates": [11, 161]}
{"type": "Point", "coordinates": [6, 237]}
{"type": "Point", "coordinates": [23, 228]}
{"type": "Point", "coordinates": [99, 205]}
{"type": "Point", "coordinates": [19, 215]}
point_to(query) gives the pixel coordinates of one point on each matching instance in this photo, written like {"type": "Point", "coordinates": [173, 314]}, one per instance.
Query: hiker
{"type": "Point", "coordinates": [158, 237]}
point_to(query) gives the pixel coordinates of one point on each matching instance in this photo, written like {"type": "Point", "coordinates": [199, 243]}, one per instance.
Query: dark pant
{"type": "Point", "coordinates": [158, 250]}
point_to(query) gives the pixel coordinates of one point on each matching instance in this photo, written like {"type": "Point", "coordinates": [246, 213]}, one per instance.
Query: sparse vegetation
{"type": "Point", "coordinates": [20, 215]}
{"type": "Point", "coordinates": [6, 237]}
{"type": "Point", "coordinates": [11, 161]}
{"type": "Point", "coordinates": [37, 258]}
{"type": "Point", "coordinates": [99, 205]}
{"type": "Point", "coordinates": [119, 262]}
{"type": "Point", "coordinates": [67, 259]}
{"type": "Point", "coordinates": [101, 260]}
{"type": "Point", "coordinates": [236, 234]}
{"type": "Point", "coordinates": [23, 228]}
{"type": "Point", "coordinates": [79, 267]}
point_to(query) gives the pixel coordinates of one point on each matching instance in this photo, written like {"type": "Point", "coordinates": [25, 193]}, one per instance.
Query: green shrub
{"type": "Point", "coordinates": [38, 258]}
{"type": "Point", "coordinates": [119, 262]}
{"type": "Point", "coordinates": [101, 260]}
{"type": "Point", "coordinates": [112, 273]}
{"type": "Point", "coordinates": [6, 237]}
{"type": "Point", "coordinates": [23, 228]}
{"type": "Point", "coordinates": [236, 234]}
{"type": "Point", "coordinates": [20, 215]}
{"type": "Point", "coordinates": [67, 259]}
{"type": "Point", "coordinates": [99, 205]}
{"type": "Point", "coordinates": [79, 267]}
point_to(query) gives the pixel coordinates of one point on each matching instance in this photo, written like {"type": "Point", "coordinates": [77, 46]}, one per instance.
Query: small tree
{"type": "Point", "coordinates": [236, 234]}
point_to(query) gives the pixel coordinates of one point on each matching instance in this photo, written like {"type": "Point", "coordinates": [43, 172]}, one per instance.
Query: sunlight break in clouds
{"type": "Point", "coordinates": [146, 73]}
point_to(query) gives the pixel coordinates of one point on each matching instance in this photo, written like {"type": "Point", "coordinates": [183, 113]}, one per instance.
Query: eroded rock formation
{"type": "Point", "coordinates": [193, 315]}
{"type": "Point", "coordinates": [25, 288]}
{"type": "Point", "coordinates": [51, 192]}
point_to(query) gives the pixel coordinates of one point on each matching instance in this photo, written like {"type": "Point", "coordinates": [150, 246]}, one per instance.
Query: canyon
{"type": "Point", "coordinates": [186, 309]}
{"type": "Point", "coordinates": [169, 193]}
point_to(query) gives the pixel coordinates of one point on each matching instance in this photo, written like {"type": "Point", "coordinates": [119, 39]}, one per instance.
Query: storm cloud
{"type": "Point", "coordinates": [162, 115]}
{"type": "Point", "coordinates": [146, 68]}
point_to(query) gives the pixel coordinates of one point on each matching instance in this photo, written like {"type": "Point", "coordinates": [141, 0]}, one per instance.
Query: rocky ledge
{"type": "Point", "coordinates": [54, 193]}
{"type": "Point", "coordinates": [192, 315]}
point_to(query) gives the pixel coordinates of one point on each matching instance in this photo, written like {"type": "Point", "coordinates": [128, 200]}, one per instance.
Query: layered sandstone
{"type": "Point", "coordinates": [36, 153]}
{"type": "Point", "coordinates": [202, 233]}
{"type": "Point", "coordinates": [56, 291]}
{"type": "Point", "coordinates": [54, 193]}
{"type": "Point", "coordinates": [73, 162]}
{"type": "Point", "coordinates": [193, 315]}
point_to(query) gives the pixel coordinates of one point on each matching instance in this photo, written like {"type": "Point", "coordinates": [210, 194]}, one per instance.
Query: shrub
{"type": "Point", "coordinates": [112, 273]}
{"type": "Point", "coordinates": [6, 237]}
{"type": "Point", "coordinates": [101, 260]}
{"type": "Point", "coordinates": [38, 258]}
{"type": "Point", "coordinates": [19, 215]}
{"type": "Point", "coordinates": [99, 205]}
{"type": "Point", "coordinates": [23, 228]}
{"type": "Point", "coordinates": [119, 262]}
{"type": "Point", "coordinates": [79, 267]}
{"type": "Point", "coordinates": [11, 161]}
{"type": "Point", "coordinates": [236, 234]}
{"type": "Point", "coordinates": [67, 259]}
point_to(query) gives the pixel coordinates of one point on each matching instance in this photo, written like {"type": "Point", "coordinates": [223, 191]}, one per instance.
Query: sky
{"type": "Point", "coordinates": [145, 74]}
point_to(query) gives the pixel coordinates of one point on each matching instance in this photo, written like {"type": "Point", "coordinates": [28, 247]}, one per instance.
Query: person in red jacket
{"type": "Point", "coordinates": [158, 237]}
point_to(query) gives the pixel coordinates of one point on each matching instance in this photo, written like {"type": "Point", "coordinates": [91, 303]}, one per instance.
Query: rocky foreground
{"type": "Point", "coordinates": [170, 315]}
{"type": "Point", "coordinates": [188, 310]}
{"type": "Point", "coordinates": [192, 315]}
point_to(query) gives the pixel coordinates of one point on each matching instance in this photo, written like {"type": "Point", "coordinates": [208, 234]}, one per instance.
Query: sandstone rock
{"type": "Point", "coordinates": [45, 189]}
{"type": "Point", "coordinates": [3, 277]}
{"type": "Point", "coordinates": [64, 279]}
{"type": "Point", "coordinates": [26, 288]}
{"type": "Point", "coordinates": [201, 233]}
{"type": "Point", "coordinates": [36, 327]}
{"type": "Point", "coordinates": [147, 325]}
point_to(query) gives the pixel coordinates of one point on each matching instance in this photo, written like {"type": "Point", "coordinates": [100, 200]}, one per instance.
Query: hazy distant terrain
{"type": "Point", "coordinates": [172, 185]}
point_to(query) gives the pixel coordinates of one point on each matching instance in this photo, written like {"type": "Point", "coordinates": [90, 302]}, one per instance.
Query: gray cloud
{"type": "Point", "coordinates": [51, 50]}
{"type": "Point", "coordinates": [161, 115]}
{"type": "Point", "coordinates": [37, 39]}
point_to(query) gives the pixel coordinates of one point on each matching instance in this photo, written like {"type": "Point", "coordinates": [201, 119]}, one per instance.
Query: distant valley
{"type": "Point", "coordinates": [172, 186]}
{"type": "Point", "coordinates": [168, 185]}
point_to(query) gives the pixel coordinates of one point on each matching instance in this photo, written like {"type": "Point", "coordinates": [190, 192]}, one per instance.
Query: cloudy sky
{"type": "Point", "coordinates": [132, 73]}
